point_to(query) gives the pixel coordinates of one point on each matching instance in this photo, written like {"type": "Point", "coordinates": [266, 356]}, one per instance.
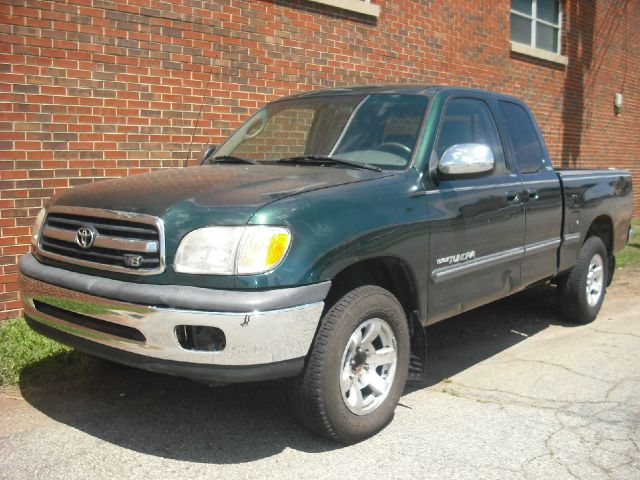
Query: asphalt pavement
{"type": "Point", "coordinates": [512, 392]}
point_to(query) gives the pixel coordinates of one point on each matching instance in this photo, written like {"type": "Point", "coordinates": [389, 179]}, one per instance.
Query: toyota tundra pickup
{"type": "Point", "coordinates": [318, 241]}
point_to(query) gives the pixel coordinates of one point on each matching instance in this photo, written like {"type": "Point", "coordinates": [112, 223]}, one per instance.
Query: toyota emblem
{"type": "Point", "coordinates": [85, 236]}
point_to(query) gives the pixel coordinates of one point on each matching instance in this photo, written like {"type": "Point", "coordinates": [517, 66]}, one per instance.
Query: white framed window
{"type": "Point", "coordinates": [536, 27]}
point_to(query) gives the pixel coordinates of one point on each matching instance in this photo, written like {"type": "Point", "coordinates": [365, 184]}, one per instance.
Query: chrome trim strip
{"type": "Point", "coordinates": [114, 215]}
{"type": "Point", "coordinates": [537, 247]}
{"type": "Point", "coordinates": [103, 241]}
{"type": "Point", "coordinates": [551, 181]}
{"type": "Point", "coordinates": [474, 187]}
{"type": "Point", "coordinates": [252, 338]}
{"type": "Point", "coordinates": [594, 177]}
{"type": "Point", "coordinates": [450, 272]}
{"type": "Point", "coordinates": [571, 238]}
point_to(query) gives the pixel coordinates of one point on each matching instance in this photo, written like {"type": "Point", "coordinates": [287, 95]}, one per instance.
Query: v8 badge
{"type": "Point", "coordinates": [133, 261]}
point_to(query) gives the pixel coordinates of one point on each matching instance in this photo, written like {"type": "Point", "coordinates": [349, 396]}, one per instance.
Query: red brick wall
{"type": "Point", "coordinates": [95, 88]}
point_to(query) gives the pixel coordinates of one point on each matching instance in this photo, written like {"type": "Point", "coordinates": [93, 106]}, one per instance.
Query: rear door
{"type": "Point", "coordinates": [476, 224]}
{"type": "Point", "coordinates": [542, 192]}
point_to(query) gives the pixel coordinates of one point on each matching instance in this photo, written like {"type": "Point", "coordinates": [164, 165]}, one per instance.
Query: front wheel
{"type": "Point", "coordinates": [357, 367]}
{"type": "Point", "coordinates": [582, 291]}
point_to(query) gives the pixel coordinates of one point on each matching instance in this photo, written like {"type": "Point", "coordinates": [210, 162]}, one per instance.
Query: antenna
{"type": "Point", "coordinates": [204, 94]}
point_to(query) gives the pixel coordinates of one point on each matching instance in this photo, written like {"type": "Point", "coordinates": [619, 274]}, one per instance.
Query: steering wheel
{"type": "Point", "coordinates": [397, 148]}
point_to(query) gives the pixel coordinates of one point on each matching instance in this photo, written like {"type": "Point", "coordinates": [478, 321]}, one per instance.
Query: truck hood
{"type": "Point", "coordinates": [217, 194]}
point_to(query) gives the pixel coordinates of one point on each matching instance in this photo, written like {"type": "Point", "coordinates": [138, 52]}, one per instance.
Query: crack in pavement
{"type": "Point", "coordinates": [608, 332]}
{"type": "Point", "coordinates": [563, 367]}
{"type": "Point", "coordinates": [591, 424]}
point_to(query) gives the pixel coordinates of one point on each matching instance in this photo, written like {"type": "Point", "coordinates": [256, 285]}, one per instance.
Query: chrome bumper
{"type": "Point", "coordinates": [253, 338]}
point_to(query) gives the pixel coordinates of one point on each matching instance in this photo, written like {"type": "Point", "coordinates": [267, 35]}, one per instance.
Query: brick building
{"type": "Point", "coordinates": [91, 89]}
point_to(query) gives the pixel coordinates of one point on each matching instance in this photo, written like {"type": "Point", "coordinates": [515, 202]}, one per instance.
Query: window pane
{"type": "Point", "coordinates": [470, 121]}
{"type": "Point", "coordinates": [546, 37]}
{"type": "Point", "coordinates": [523, 6]}
{"type": "Point", "coordinates": [377, 129]}
{"type": "Point", "coordinates": [283, 134]}
{"type": "Point", "coordinates": [383, 131]}
{"type": "Point", "coordinates": [528, 150]}
{"type": "Point", "coordinates": [548, 10]}
{"type": "Point", "coordinates": [520, 29]}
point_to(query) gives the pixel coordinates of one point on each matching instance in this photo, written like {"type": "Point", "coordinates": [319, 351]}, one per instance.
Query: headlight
{"type": "Point", "coordinates": [232, 250]}
{"type": "Point", "coordinates": [37, 225]}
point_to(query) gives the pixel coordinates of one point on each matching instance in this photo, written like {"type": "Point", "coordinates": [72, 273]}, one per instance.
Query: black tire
{"type": "Point", "coordinates": [315, 396]}
{"type": "Point", "coordinates": [573, 296]}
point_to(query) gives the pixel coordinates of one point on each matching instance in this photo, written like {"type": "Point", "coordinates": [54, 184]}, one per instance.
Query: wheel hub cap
{"type": "Point", "coordinates": [358, 361]}
{"type": "Point", "coordinates": [595, 280]}
{"type": "Point", "coordinates": [368, 366]}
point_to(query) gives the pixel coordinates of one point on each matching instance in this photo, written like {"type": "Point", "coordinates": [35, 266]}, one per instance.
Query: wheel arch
{"type": "Point", "coordinates": [388, 272]}
{"type": "Point", "coordinates": [396, 276]}
{"type": "Point", "coordinates": [602, 227]}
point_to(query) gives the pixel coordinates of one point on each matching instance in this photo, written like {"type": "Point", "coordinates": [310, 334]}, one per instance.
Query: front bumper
{"type": "Point", "coordinates": [267, 334]}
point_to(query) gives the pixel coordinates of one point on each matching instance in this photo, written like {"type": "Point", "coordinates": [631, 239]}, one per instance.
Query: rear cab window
{"type": "Point", "coordinates": [527, 149]}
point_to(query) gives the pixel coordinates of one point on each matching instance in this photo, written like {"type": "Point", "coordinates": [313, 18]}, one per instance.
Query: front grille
{"type": "Point", "coordinates": [112, 240]}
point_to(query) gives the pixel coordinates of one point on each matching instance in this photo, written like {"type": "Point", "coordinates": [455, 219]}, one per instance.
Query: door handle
{"type": "Point", "coordinates": [513, 197]}
{"type": "Point", "coordinates": [532, 195]}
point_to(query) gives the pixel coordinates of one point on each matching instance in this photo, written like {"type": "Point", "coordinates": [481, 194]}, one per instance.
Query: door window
{"type": "Point", "coordinates": [469, 120]}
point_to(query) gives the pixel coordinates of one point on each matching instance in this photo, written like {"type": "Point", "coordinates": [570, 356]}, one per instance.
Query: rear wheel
{"type": "Point", "coordinates": [357, 367]}
{"type": "Point", "coordinates": [582, 291]}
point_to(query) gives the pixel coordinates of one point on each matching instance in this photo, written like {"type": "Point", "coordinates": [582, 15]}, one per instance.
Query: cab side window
{"type": "Point", "coordinates": [529, 154]}
{"type": "Point", "coordinates": [468, 120]}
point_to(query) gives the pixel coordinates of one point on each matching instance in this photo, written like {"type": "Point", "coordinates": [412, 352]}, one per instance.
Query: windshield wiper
{"type": "Point", "coordinates": [324, 159]}
{"type": "Point", "coordinates": [230, 159]}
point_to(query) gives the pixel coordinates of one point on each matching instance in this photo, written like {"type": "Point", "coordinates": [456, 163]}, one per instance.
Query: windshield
{"type": "Point", "coordinates": [379, 130]}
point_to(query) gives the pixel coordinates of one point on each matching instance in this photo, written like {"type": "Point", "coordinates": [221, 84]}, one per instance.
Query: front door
{"type": "Point", "coordinates": [476, 224]}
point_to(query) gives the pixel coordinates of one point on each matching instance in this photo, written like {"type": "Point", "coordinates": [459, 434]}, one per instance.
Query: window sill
{"type": "Point", "coordinates": [525, 49]}
{"type": "Point", "coordinates": [358, 6]}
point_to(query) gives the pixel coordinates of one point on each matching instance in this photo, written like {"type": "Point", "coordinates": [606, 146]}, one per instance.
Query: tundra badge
{"type": "Point", "coordinates": [457, 258]}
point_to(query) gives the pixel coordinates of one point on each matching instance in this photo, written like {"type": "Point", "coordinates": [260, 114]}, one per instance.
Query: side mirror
{"type": "Point", "coordinates": [211, 149]}
{"type": "Point", "coordinates": [466, 159]}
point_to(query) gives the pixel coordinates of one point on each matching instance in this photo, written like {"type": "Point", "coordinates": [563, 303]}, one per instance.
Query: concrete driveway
{"type": "Point", "coordinates": [512, 392]}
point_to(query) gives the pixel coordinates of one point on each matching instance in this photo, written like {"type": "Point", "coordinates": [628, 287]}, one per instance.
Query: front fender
{"type": "Point", "coordinates": [336, 227]}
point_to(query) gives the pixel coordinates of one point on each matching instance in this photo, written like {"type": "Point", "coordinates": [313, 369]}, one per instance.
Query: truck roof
{"type": "Point", "coordinates": [398, 89]}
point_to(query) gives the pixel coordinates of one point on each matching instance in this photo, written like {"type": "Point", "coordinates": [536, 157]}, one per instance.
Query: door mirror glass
{"type": "Point", "coordinates": [466, 159]}
{"type": "Point", "coordinates": [211, 149]}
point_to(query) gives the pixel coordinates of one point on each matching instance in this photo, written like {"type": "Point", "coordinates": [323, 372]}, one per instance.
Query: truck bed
{"type": "Point", "coordinates": [590, 195]}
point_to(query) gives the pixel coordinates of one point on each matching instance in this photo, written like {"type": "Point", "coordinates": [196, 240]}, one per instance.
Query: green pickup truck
{"type": "Point", "coordinates": [319, 240]}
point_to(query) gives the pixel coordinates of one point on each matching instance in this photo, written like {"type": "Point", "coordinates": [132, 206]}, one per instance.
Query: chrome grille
{"type": "Point", "coordinates": [120, 241]}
